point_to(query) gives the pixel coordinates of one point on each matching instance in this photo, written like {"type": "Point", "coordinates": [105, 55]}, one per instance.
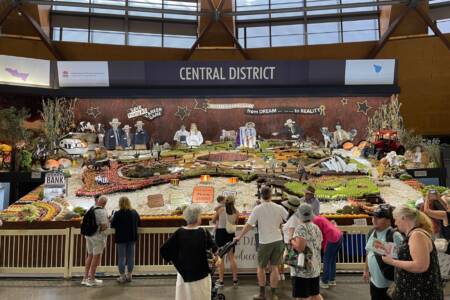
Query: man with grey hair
{"type": "Point", "coordinates": [269, 217]}
{"type": "Point", "coordinates": [187, 250]}
{"type": "Point", "coordinates": [96, 243]}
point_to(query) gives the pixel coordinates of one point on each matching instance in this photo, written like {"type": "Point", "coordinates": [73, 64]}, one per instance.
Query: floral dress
{"type": "Point", "coordinates": [418, 286]}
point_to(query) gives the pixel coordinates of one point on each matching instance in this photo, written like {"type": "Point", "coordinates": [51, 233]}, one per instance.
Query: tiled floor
{"type": "Point", "coordinates": [348, 288]}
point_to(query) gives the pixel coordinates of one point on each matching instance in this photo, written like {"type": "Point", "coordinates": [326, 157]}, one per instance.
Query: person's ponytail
{"type": "Point", "coordinates": [424, 222]}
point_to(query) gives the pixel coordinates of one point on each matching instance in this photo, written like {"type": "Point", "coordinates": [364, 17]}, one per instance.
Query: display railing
{"type": "Point", "coordinates": [61, 252]}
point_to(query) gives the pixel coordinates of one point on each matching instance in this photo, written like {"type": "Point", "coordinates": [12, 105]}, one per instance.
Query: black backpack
{"type": "Point", "coordinates": [386, 270]}
{"type": "Point", "coordinates": [89, 224]}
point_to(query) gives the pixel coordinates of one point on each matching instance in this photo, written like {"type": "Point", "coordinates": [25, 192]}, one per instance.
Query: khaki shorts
{"type": "Point", "coordinates": [95, 244]}
{"type": "Point", "coordinates": [270, 253]}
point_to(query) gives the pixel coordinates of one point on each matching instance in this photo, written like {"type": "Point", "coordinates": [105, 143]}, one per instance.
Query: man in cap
{"type": "Point", "coordinates": [293, 131]}
{"type": "Point", "coordinates": [141, 137]}
{"type": "Point", "coordinates": [310, 199]}
{"type": "Point", "coordinates": [376, 271]}
{"type": "Point", "coordinates": [114, 135]}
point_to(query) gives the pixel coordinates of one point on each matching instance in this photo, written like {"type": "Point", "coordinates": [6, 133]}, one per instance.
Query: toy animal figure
{"type": "Point", "coordinates": [100, 129]}
{"type": "Point", "coordinates": [352, 133]}
{"type": "Point", "coordinates": [327, 135]}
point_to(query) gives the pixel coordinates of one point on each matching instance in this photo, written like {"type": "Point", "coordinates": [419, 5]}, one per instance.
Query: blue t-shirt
{"type": "Point", "coordinates": [376, 277]}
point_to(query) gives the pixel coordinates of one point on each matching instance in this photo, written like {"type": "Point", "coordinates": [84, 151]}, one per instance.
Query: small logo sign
{"type": "Point", "coordinates": [16, 73]}
{"type": "Point", "coordinates": [377, 68]}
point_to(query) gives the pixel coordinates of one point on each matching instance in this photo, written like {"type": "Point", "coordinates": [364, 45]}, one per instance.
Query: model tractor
{"type": "Point", "coordinates": [386, 140]}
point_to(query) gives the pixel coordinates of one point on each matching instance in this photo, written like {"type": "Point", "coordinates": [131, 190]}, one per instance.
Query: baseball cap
{"type": "Point", "coordinates": [305, 212]}
{"type": "Point", "coordinates": [383, 211]}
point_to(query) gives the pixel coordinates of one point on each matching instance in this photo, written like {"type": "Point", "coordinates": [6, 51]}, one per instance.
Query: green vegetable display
{"type": "Point", "coordinates": [337, 189]}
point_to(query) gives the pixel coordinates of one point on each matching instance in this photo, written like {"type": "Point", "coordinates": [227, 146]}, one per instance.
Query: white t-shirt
{"type": "Point", "coordinates": [293, 222]}
{"type": "Point", "coordinates": [269, 217]}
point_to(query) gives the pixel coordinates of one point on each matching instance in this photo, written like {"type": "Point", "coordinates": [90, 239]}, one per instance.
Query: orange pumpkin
{"type": "Point", "coordinates": [347, 146]}
{"type": "Point", "coordinates": [51, 164]}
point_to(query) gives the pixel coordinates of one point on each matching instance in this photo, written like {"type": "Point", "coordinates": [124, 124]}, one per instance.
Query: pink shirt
{"type": "Point", "coordinates": [329, 231]}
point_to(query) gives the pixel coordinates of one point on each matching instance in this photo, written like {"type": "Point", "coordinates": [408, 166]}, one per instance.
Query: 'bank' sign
{"type": "Point", "coordinates": [55, 179]}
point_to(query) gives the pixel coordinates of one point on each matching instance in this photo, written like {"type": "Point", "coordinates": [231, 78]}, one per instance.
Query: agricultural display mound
{"type": "Point", "coordinates": [337, 188]}
{"type": "Point", "coordinates": [223, 156]}
{"type": "Point", "coordinates": [141, 171]}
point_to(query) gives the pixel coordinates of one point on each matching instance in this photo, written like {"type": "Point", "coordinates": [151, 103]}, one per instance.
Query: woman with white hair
{"type": "Point", "coordinates": [307, 241]}
{"type": "Point", "coordinates": [417, 274]}
{"type": "Point", "coordinates": [187, 250]}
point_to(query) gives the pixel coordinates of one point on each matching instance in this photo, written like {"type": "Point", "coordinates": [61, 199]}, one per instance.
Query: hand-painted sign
{"type": "Point", "coordinates": [149, 113]}
{"type": "Point", "coordinates": [320, 110]}
{"type": "Point", "coordinates": [203, 194]}
{"type": "Point", "coordinates": [156, 200]}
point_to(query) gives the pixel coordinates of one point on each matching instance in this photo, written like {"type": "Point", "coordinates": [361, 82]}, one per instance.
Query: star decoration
{"type": "Point", "coordinates": [182, 112]}
{"type": "Point", "coordinates": [93, 111]}
{"type": "Point", "coordinates": [363, 107]}
{"type": "Point", "coordinates": [344, 101]}
{"type": "Point", "coordinates": [201, 104]}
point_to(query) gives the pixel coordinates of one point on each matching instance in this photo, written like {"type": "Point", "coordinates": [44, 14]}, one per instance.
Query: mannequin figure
{"type": "Point", "coordinates": [181, 135]}
{"type": "Point", "coordinates": [127, 139]}
{"type": "Point", "coordinates": [417, 160]}
{"type": "Point", "coordinates": [292, 131]}
{"type": "Point", "coordinates": [195, 137]}
{"type": "Point", "coordinates": [113, 135]}
{"type": "Point", "coordinates": [141, 137]}
{"type": "Point", "coordinates": [249, 135]}
{"type": "Point", "coordinates": [340, 135]}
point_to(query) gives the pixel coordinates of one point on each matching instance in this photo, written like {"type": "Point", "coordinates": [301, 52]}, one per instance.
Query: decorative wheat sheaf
{"type": "Point", "coordinates": [387, 116]}
{"type": "Point", "coordinates": [59, 118]}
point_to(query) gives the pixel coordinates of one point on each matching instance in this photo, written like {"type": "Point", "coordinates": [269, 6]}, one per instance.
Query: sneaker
{"type": "Point", "coordinates": [129, 277]}
{"type": "Point", "coordinates": [84, 281]}
{"type": "Point", "coordinates": [259, 297]}
{"type": "Point", "coordinates": [332, 283]}
{"type": "Point", "coordinates": [282, 277]}
{"type": "Point", "coordinates": [235, 283]}
{"type": "Point", "coordinates": [219, 284]}
{"type": "Point", "coordinates": [324, 285]}
{"type": "Point", "coordinates": [121, 279]}
{"type": "Point", "coordinates": [94, 282]}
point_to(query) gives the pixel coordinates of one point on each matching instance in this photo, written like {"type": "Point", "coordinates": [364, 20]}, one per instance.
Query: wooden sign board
{"type": "Point", "coordinates": [360, 222]}
{"type": "Point", "coordinates": [156, 200]}
{"type": "Point", "coordinates": [203, 194]}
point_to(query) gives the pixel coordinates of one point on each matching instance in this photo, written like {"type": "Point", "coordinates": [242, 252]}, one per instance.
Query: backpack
{"type": "Point", "coordinates": [386, 270]}
{"type": "Point", "coordinates": [89, 224]}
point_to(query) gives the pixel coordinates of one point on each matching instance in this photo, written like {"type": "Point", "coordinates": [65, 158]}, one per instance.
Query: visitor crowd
{"type": "Point", "coordinates": [402, 262]}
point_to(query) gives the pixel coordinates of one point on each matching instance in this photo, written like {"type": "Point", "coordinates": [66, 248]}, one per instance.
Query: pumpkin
{"type": "Point", "coordinates": [51, 164]}
{"type": "Point", "coordinates": [347, 146]}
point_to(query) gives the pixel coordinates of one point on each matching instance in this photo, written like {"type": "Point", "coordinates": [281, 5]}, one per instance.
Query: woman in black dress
{"type": "Point", "coordinates": [417, 274]}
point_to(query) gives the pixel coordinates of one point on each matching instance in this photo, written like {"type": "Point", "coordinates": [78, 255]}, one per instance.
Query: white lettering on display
{"type": "Point", "coordinates": [233, 73]}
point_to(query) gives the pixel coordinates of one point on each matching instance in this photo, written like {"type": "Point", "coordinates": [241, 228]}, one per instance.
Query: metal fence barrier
{"type": "Point", "coordinates": [61, 252]}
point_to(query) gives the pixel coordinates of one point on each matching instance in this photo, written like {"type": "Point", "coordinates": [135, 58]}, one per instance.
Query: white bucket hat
{"type": "Point", "coordinates": [115, 121]}
{"type": "Point", "coordinates": [289, 122]}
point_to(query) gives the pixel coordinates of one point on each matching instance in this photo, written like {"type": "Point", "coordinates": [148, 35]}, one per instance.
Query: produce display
{"type": "Point", "coordinates": [337, 188]}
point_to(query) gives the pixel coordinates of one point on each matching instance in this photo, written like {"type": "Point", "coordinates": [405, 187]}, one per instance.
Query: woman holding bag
{"type": "Point", "coordinates": [307, 242]}
{"type": "Point", "coordinates": [226, 218]}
